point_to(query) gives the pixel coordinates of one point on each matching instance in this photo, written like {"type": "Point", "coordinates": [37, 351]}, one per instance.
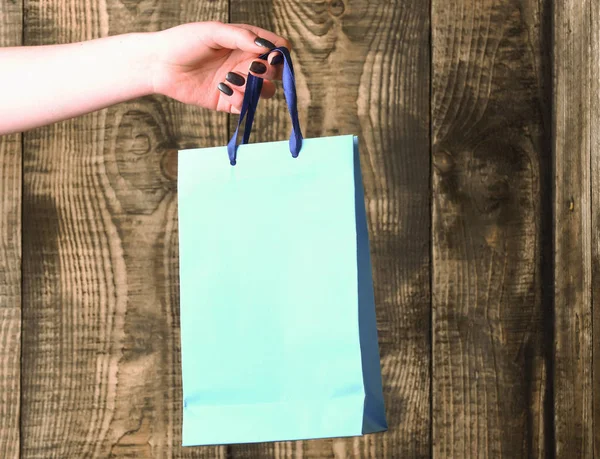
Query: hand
{"type": "Point", "coordinates": [207, 63]}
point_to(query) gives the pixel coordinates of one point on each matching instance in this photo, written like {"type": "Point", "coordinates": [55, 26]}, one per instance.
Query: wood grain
{"type": "Point", "coordinates": [574, 126]}
{"type": "Point", "coordinates": [490, 141]}
{"type": "Point", "coordinates": [595, 203]}
{"type": "Point", "coordinates": [363, 68]}
{"type": "Point", "coordinates": [507, 324]}
{"type": "Point", "coordinates": [101, 336]}
{"type": "Point", "coordinates": [10, 260]}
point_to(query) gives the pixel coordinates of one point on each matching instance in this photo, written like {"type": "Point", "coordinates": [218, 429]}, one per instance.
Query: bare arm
{"type": "Point", "coordinates": [40, 85]}
{"type": "Point", "coordinates": [192, 63]}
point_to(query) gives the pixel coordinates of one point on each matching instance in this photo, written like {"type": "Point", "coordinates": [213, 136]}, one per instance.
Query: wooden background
{"type": "Point", "coordinates": [480, 146]}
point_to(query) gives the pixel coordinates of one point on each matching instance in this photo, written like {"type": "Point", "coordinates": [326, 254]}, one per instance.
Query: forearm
{"type": "Point", "coordinates": [40, 85]}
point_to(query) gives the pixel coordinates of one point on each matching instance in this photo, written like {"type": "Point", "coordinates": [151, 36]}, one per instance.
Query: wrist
{"type": "Point", "coordinates": [140, 61]}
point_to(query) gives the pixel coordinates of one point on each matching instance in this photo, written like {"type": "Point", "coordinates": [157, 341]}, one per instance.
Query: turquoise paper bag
{"type": "Point", "coordinates": [278, 330]}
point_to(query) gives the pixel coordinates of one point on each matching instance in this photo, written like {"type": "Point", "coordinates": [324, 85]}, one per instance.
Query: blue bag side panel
{"type": "Point", "coordinates": [374, 410]}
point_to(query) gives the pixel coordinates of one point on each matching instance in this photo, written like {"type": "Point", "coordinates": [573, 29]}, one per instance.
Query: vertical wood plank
{"type": "Point", "coordinates": [11, 17]}
{"type": "Point", "coordinates": [595, 203]}
{"type": "Point", "coordinates": [101, 312]}
{"type": "Point", "coordinates": [491, 144]}
{"type": "Point", "coordinates": [363, 68]}
{"type": "Point", "coordinates": [575, 55]}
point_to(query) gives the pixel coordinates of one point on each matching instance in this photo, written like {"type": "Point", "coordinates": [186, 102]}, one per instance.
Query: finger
{"type": "Point", "coordinates": [262, 69]}
{"type": "Point", "coordinates": [227, 36]}
{"type": "Point", "coordinates": [237, 80]}
{"type": "Point", "coordinates": [271, 72]}
{"type": "Point", "coordinates": [276, 61]}
{"type": "Point", "coordinates": [230, 101]}
{"type": "Point", "coordinates": [268, 87]}
{"type": "Point", "coordinates": [275, 58]}
{"type": "Point", "coordinates": [272, 37]}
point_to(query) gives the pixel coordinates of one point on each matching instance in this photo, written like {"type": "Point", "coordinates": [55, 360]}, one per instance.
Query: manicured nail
{"type": "Point", "coordinates": [235, 79]}
{"type": "Point", "coordinates": [225, 89]}
{"type": "Point", "coordinates": [258, 67]}
{"type": "Point", "coordinates": [264, 43]}
{"type": "Point", "coordinates": [277, 59]}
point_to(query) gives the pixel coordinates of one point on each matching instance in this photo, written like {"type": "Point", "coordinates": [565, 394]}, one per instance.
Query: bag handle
{"type": "Point", "coordinates": [250, 103]}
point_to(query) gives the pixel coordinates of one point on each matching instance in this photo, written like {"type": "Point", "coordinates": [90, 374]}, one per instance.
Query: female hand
{"type": "Point", "coordinates": [207, 63]}
{"type": "Point", "coordinates": [203, 63]}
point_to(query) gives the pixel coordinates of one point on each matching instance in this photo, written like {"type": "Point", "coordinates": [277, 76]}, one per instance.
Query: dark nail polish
{"type": "Point", "coordinates": [225, 89]}
{"type": "Point", "coordinates": [235, 79]}
{"type": "Point", "coordinates": [277, 60]}
{"type": "Point", "coordinates": [264, 43]}
{"type": "Point", "coordinates": [258, 67]}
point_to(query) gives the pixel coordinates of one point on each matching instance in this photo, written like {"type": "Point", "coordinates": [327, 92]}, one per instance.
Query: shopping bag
{"type": "Point", "coordinates": [278, 329]}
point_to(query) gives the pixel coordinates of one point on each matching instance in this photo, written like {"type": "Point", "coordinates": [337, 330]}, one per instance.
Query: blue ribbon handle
{"type": "Point", "coordinates": [250, 103]}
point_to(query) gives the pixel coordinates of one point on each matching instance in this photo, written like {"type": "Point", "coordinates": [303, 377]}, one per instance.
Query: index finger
{"type": "Point", "coordinates": [229, 36]}
{"type": "Point", "coordinates": [277, 40]}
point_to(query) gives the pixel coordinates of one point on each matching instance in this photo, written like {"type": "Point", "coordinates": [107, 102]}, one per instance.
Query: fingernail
{"type": "Point", "coordinates": [258, 67]}
{"type": "Point", "coordinates": [264, 43]}
{"type": "Point", "coordinates": [235, 79]}
{"type": "Point", "coordinates": [277, 60]}
{"type": "Point", "coordinates": [225, 89]}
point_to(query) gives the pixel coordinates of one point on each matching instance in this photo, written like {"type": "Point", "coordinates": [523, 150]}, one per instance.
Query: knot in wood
{"type": "Point", "coordinates": [490, 194]}
{"type": "Point", "coordinates": [168, 164]}
{"type": "Point", "coordinates": [443, 162]}
{"type": "Point", "coordinates": [337, 7]}
{"type": "Point", "coordinates": [499, 189]}
{"type": "Point", "coordinates": [140, 145]}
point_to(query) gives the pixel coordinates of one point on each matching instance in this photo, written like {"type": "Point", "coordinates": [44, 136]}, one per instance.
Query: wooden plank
{"type": "Point", "coordinates": [11, 17]}
{"type": "Point", "coordinates": [363, 68]}
{"type": "Point", "coordinates": [490, 146]}
{"type": "Point", "coordinates": [574, 126]}
{"type": "Point", "coordinates": [101, 313]}
{"type": "Point", "coordinates": [595, 202]}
